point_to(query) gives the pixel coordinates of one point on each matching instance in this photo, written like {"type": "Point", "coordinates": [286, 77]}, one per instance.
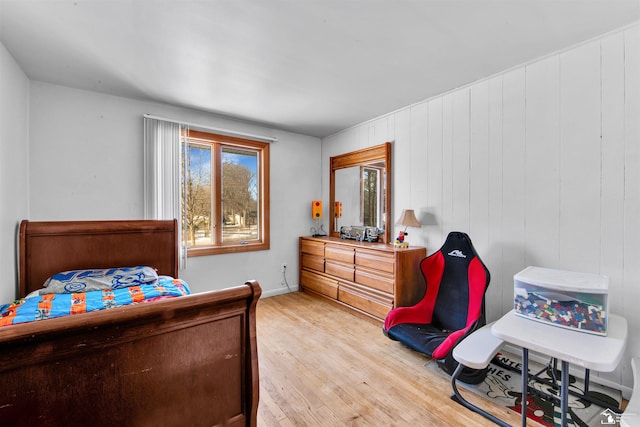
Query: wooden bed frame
{"type": "Point", "coordinates": [188, 361]}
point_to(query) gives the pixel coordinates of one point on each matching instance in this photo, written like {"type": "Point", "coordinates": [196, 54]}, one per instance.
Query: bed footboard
{"type": "Point", "coordinates": [188, 361]}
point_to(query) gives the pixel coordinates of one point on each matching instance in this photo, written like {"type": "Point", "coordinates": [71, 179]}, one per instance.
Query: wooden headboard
{"type": "Point", "coordinates": [47, 248]}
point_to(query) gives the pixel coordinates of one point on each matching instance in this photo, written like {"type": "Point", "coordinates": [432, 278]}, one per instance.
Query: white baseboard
{"type": "Point", "coordinates": [280, 291]}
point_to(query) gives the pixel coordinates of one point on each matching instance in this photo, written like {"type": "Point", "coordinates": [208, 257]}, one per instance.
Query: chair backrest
{"type": "Point", "coordinates": [456, 280]}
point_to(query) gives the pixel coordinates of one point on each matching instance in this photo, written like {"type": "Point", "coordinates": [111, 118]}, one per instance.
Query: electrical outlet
{"type": "Point", "coordinates": [283, 267]}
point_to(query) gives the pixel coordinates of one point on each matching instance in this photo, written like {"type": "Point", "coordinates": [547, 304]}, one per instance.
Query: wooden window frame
{"type": "Point", "coordinates": [217, 141]}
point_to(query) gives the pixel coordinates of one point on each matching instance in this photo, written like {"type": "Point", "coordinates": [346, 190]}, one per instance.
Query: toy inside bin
{"type": "Point", "coordinates": [567, 299]}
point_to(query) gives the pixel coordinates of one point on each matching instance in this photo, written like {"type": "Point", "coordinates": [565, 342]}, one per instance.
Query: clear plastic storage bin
{"type": "Point", "coordinates": [567, 299]}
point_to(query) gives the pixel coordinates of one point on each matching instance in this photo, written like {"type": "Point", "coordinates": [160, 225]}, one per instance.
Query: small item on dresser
{"type": "Point", "coordinates": [355, 232]}
{"type": "Point", "coordinates": [407, 219]}
{"type": "Point", "coordinates": [399, 242]}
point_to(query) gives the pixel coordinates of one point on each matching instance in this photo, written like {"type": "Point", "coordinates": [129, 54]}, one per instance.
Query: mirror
{"type": "Point", "coordinates": [361, 181]}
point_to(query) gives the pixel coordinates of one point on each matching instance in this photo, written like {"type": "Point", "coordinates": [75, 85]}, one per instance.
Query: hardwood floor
{"type": "Point", "coordinates": [321, 365]}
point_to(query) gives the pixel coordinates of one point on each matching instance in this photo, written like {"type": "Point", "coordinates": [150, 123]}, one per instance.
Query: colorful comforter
{"type": "Point", "coordinates": [49, 306]}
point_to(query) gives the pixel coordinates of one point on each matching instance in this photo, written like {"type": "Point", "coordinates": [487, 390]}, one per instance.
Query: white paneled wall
{"type": "Point", "coordinates": [540, 165]}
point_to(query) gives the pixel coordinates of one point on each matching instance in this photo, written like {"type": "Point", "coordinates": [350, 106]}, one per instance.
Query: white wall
{"type": "Point", "coordinates": [347, 191]}
{"type": "Point", "coordinates": [86, 161]}
{"type": "Point", "coordinates": [14, 178]}
{"type": "Point", "coordinates": [540, 165]}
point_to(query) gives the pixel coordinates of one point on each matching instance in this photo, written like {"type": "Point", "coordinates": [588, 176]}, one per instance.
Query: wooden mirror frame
{"type": "Point", "coordinates": [362, 157]}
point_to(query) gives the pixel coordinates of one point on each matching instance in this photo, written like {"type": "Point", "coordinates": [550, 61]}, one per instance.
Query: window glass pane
{"type": "Point", "coordinates": [370, 189]}
{"type": "Point", "coordinates": [240, 195]}
{"type": "Point", "coordinates": [196, 199]}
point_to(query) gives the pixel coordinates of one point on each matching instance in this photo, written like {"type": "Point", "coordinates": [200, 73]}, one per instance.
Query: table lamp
{"type": "Point", "coordinates": [407, 219]}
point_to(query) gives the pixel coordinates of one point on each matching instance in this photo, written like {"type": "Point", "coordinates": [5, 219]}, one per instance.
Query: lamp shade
{"type": "Point", "coordinates": [408, 219]}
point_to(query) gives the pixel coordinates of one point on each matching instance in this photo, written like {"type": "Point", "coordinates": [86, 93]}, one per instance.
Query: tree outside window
{"type": "Point", "coordinates": [225, 194]}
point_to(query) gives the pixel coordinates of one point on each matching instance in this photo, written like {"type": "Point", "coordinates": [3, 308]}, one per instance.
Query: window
{"type": "Point", "coordinates": [371, 196]}
{"type": "Point", "coordinates": [225, 193]}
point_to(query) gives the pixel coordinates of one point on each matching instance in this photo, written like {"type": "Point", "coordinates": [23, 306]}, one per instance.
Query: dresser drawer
{"type": "Point", "coordinates": [339, 269]}
{"type": "Point", "coordinates": [368, 277]}
{"type": "Point", "coordinates": [314, 262]}
{"type": "Point", "coordinates": [365, 301]}
{"type": "Point", "coordinates": [374, 279]}
{"type": "Point", "coordinates": [320, 284]}
{"type": "Point", "coordinates": [339, 253]}
{"type": "Point", "coordinates": [377, 260]}
{"type": "Point", "coordinates": [311, 247]}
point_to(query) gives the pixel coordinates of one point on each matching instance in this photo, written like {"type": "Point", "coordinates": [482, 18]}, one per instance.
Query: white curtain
{"type": "Point", "coordinates": [162, 174]}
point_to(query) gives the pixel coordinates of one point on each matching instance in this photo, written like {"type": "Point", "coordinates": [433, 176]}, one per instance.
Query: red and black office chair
{"type": "Point", "coordinates": [452, 307]}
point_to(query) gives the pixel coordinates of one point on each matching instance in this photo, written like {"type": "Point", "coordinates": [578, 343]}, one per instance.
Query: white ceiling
{"type": "Point", "coordinates": [312, 67]}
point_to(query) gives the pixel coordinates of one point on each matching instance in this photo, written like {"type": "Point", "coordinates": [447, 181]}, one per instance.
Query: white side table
{"type": "Point", "coordinates": [597, 352]}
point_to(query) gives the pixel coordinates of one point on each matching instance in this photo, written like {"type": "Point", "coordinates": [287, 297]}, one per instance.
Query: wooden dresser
{"type": "Point", "coordinates": [371, 278]}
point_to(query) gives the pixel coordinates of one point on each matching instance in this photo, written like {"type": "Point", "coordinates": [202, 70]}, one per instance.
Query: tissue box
{"type": "Point", "coordinates": [568, 299]}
